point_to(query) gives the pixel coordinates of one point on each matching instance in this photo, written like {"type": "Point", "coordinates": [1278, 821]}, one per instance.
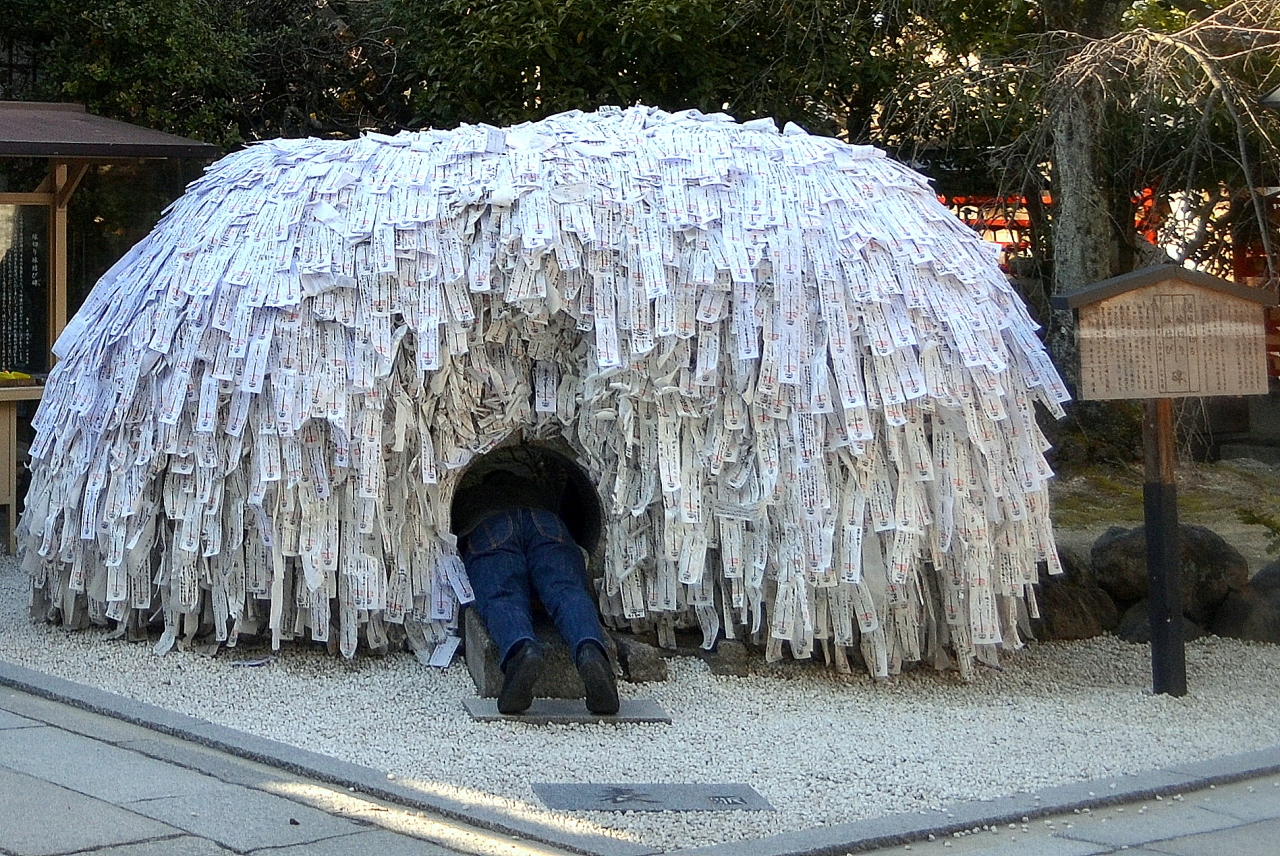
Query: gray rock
{"type": "Point", "coordinates": [1073, 610]}
{"type": "Point", "coordinates": [640, 662]}
{"type": "Point", "coordinates": [1253, 614]}
{"type": "Point", "coordinates": [560, 677]}
{"type": "Point", "coordinates": [1076, 566]}
{"type": "Point", "coordinates": [1210, 568]}
{"type": "Point", "coordinates": [1266, 580]}
{"type": "Point", "coordinates": [1135, 626]}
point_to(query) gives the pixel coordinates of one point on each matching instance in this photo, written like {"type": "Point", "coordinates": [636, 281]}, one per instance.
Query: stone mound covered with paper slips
{"type": "Point", "coordinates": [803, 389]}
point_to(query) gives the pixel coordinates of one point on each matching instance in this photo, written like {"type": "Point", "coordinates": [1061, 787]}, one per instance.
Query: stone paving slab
{"type": "Point", "coordinates": [12, 720]}
{"type": "Point", "coordinates": [1262, 803]}
{"type": "Point", "coordinates": [243, 819]}
{"type": "Point", "coordinates": [372, 843]}
{"type": "Point", "coordinates": [989, 845]}
{"type": "Point", "coordinates": [556, 711]}
{"type": "Point", "coordinates": [77, 822]}
{"type": "Point", "coordinates": [1152, 826]}
{"type": "Point", "coordinates": [1256, 839]}
{"type": "Point", "coordinates": [101, 723]}
{"type": "Point", "coordinates": [95, 769]}
{"type": "Point", "coordinates": [235, 771]}
{"type": "Point", "coordinates": [183, 846]}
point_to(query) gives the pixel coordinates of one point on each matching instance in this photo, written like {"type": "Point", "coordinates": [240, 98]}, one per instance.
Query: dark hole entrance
{"type": "Point", "coordinates": [562, 476]}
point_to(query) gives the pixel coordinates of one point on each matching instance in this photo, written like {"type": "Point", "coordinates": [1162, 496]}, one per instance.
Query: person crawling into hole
{"type": "Point", "coordinates": [513, 539]}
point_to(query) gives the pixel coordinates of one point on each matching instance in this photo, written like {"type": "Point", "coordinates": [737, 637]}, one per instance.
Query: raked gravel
{"type": "Point", "coordinates": [822, 749]}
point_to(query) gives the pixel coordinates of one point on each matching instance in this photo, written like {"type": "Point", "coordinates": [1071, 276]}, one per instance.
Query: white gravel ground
{"type": "Point", "coordinates": [822, 749]}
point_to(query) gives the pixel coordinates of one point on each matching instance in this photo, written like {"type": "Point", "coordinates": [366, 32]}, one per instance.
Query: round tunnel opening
{"type": "Point", "coordinates": [580, 505]}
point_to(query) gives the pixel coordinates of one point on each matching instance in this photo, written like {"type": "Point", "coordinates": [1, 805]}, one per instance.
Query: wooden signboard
{"type": "Point", "coordinates": [1159, 334]}
{"type": "Point", "coordinates": [1168, 332]}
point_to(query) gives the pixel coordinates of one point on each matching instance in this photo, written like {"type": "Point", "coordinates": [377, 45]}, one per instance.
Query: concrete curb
{"type": "Point", "coordinates": [302, 762]}
{"type": "Point", "coordinates": [833, 840]}
{"type": "Point", "coordinates": [897, 829]}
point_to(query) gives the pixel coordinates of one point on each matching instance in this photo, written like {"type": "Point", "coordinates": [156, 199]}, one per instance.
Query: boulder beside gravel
{"type": "Point", "coordinates": [640, 662]}
{"type": "Point", "coordinates": [1252, 614]}
{"type": "Point", "coordinates": [1210, 569]}
{"type": "Point", "coordinates": [1073, 610]}
{"type": "Point", "coordinates": [1072, 605]}
{"type": "Point", "coordinates": [1135, 625]}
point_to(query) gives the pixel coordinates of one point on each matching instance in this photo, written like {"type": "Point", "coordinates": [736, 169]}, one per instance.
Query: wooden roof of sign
{"type": "Point", "coordinates": [1145, 277]}
{"type": "Point", "coordinates": [63, 130]}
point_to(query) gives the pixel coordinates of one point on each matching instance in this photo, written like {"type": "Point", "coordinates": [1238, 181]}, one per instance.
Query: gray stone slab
{"type": "Point", "coordinates": [38, 818]}
{"type": "Point", "coordinates": [1263, 803]}
{"type": "Point", "coordinates": [371, 843]}
{"type": "Point", "coordinates": [185, 845]}
{"type": "Point", "coordinates": [93, 768]}
{"type": "Point", "coordinates": [650, 797]}
{"type": "Point", "coordinates": [243, 819]}
{"type": "Point", "coordinates": [1006, 844]}
{"type": "Point", "coordinates": [1155, 825]}
{"type": "Point", "coordinates": [211, 762]}
{"type": "Point", "coordinates": [12, 720]}
{"type": "Point", "coordinates": [553, 711]}
{"type": "Point", "coordinates": [98, 720]}
{"type": "Point", "coordinates": [1254, 839]}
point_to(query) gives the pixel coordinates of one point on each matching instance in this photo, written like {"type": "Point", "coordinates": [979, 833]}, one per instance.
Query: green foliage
{"type": "Point", "coordinates": [175, 65]}
{"type": "Point", "coordinates": [824, 64]}
{"type": "Point", "coordinates": [223, 71]}
{"type": "Point", "coordinates": [1266, 520]}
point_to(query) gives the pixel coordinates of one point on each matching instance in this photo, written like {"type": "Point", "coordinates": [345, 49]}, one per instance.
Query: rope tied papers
{"type": "Point", "coordinates": [803, 388]}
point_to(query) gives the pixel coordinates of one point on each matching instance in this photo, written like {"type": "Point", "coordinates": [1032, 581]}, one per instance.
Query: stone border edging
{"type": "Point", "coordinates": [835, 840]}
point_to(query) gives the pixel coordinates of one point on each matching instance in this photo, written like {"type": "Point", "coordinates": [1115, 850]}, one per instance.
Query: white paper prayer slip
{"type": "Point", "coordinates": [803, 390]}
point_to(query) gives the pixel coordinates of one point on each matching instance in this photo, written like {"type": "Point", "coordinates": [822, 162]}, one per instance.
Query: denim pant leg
{"type": "Point", "coordinates": [495, 561]}
{"type": "Point", "coordinates": [559, 574]}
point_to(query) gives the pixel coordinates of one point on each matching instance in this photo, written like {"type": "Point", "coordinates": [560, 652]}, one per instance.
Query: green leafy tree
{"type": "Point", "coordinates": [174, 65]}
{"type": "Point", "coordinates": [824, 64]}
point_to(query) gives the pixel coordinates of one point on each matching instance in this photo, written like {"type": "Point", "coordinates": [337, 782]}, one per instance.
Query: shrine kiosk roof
{"type": "Point", "coordinates": [1117, 285]}
{"type": "Point", "coordinates": [67, 131]}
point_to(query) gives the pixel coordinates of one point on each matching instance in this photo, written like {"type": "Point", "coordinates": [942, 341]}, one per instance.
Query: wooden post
{"type": "Point", "coordinates": [1160, 508]}
{"type": "Point", "coordinates": [63, 180]}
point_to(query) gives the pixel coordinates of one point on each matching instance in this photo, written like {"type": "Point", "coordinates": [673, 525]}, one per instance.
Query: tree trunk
{"type": "Point", "coordinates": [1082, 234]}
{"type": "Point", "coordinates": [1082, 228]}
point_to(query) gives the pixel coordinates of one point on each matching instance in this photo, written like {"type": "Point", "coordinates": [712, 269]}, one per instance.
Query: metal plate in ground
{"type": "Point", "coordinates": [550, 711]}
{"type": "Point", "coordinates": [650, 797]}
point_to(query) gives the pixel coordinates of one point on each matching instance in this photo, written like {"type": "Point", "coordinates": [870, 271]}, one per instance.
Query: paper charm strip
{"type": "Point", "coordinates": [803, 388]}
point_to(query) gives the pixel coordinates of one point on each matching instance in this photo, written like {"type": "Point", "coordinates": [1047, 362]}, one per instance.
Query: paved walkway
{"type": "Point", "coordinates": [1240, 819]}
{"type": "Point", "coordinates": [77, 782]}
{"type": "Point", "coordinates": [141, 781]}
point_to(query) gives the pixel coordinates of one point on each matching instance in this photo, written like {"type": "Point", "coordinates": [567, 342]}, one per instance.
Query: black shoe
{"type": "Point", "coordinates": [597, 674]}
{"type": "Point", "coordinates": [522, 672]}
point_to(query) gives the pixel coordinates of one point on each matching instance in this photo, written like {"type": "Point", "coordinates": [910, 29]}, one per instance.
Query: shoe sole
{"type": "Point", "coordinates": [602, 691]}
{"type": "Point", "coordinates": [517, 688]}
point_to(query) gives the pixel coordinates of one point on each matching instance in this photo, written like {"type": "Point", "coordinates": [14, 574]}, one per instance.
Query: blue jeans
{"type": "Point", "coordinates": [509, 551]}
